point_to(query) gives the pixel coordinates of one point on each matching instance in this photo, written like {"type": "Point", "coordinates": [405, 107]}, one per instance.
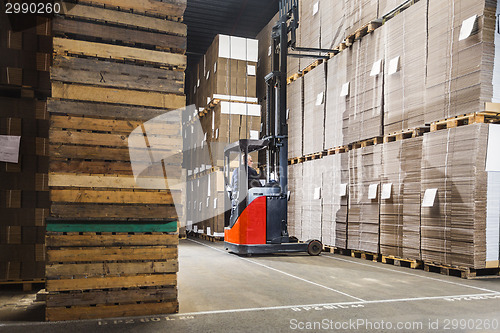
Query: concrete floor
{"type": "Point", "coordinates": [221, 292]}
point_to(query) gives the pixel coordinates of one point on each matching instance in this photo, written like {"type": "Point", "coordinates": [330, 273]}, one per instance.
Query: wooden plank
{"type": "Point", "coordinates": [63, 46]}
{"type": "Point", "coordinates": [106, 32]}
{"type": "Point", "coordinates": [160, 129]}
{"type": "Point", "coordinates": [110, 240]}
{"type": "Point", "coordinates": [161, 142]}
{"type": "Point", "coordinates": [111, 74]}
{"type": "Point", "coordinates": [110, 311]}
{"type": "Point", "coordinates": [69, 254]}
{"type": "Point", "coordinates": [104, 181]}
{"type": "Point", "coordinates": [92, 297]}
{"type": "Point", "coordinates": [107, 110]}
{"type": "Point", "coordinates": [174, 8]}
{"type": "Point", "coordinates": [126, 19]}
{"type": "Point", "coordinates": [105, 153]}
{"type": "Point", "coordinates": [112, 211]}
{"type": "Point", "coordinates": [56, 271]}
{"type": "Point", "coordinates": [72, 224]}
{"type": "Point", "coordinates": [120, 197]}
{"type": "Point", "coordinates": [118, 96]}
{"type": "Point", "coordinates": [115, 168]}
{"type": "Point", "coordinates": [141, 280]}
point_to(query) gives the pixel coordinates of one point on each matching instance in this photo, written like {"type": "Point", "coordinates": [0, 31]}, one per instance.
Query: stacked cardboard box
{"type": "Point", "coordinates": [405, 69]}
{"type": "Point", "coordinates": [332, 199]}
{"type": "Point", "coordinates": [336, 105]}
{"type": "Point", "coordinates": [296, 188]}
{"type": "Point", "coordinates": [364, 198]}
{"type": "Point", "coordinates": [312, 199]}
{"type": "Point", "coordinates": [295, 118]}
{"type": "Point", "coordinates": [223, 86]}
{"type": "Point", "coordinates": [460, 197]}
{"type": "Point", "coordinates": [400, 199]}
{"type": "Point", "coordinates": [314, 110]}
{"type": "Point", "coordinates": [359, 13]}
{"type": "Point", "coordinates": [460, 44]}
{"type": "Point", "coordinates": [115, 132]}
{"type": "Point", "coordinates": [25, 47]}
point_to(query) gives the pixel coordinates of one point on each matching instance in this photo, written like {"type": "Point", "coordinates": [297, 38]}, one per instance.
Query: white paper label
{"type": "Point", "coordinates": [492, 155]}
{"type": "Point", "coordinates": [386, 191]}
{"type": "Point", "coordinates": [208, 74]}
{"type": "Point", "coordinates": [317, 193]}
{"type": "Point", "coordinates": [208, 202]}
{"type": "Point", "coordinates": [429, 197]}
{"type": "Point", "coordinates": [315, 8]}
{"type": "Point", "coordinates": [343, 190]}
{"type": "Point", "coordinates": [215, 203]}
{"type": "Point", "coordinates": [195, 228]}
{"type": "Point", "coordinates": [208, 188]}
{"type": "Point", "coordinates": [213, 120]}
{"type": "Point", "coordinates": [320, 98]}
{"type": "Point", "coordinates": [9, 148]}
{"type": "Point", "coordinates": [376, 68]}
{"type": "Point", "coordinates": [269, 51]}
{"type": "Point", "coordinates": [209, 231]}
{"type": "Point", "coordinates": [217, 133]}
{"type": "Point", "coordinates": [250, 70]}
{"type": "Point", "coordinates": [198, 84]}
{"type": "Point", "coordinates": [372, 191]}
{"type": "Point", "coordinates": [467, 27]}
{"type": "Point", "coordinates": [254, 135]}
{"type": "Point", "coordinates": [287, 114]}
{"type": "Point", "coordinates": [394, 65]}
{"type": "Point", "coordinates": [215, 67]}
{"type": "Point", "coordinates": [345, 90]}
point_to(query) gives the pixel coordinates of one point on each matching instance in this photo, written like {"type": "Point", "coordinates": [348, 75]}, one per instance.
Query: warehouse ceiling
{"type": "Point", "coordinates": [207, 18]}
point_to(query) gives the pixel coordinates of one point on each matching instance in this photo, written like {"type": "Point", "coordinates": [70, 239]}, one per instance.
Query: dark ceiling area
{"type": "Point", "coordinates": [207, 18]}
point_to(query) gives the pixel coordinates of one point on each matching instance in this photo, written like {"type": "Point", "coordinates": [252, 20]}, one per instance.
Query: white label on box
{"type": "Point", "coordinates": [345, 90]}
{"type": "Point", "coordinates": [190, 172]}
{"type": "Point", "coordinates": [320, 98]}
{"type": "Point", "coordinates": [467, 27]}
{"type": "Point", "coordinates": [217, 133]}
{"type": "Point", "coordinates": [208, 100]}
{"type": "Point", "coordinates": [195, 228]}
{"type": "Point", "coordinates": [215, 67]}
{"type": "Point", "coordinates": [208, 188]}
{"type": "Point", "coordinates": [376, 68]}
{"type": "Point", "coordinates": [209, 231]}
{"type": "Point", "coordinates": [208, 74]}
{"type": "Point", "coordinates": [429, 197]}
{"type": "Point", "coordinates": [394, 65]}
{"type": "Point", "coordinates": [208, 202]}
{"type": "Point", "coordinates": [343, 190]}
{"type": "Point", "coordinates": [254, 135]}
{"type": "Point", "coordinates": [252, 50]}
{"type": "Point", "coordinates": [198, 84]}
{"type": "Point", "coordinates": [250, 70]}
{"type": "Point", "coordinates": [269, 51]}
{"type": "Point", "coordinates": [372, 191]}
{"type": "Point", "coordinates": [315, 8]}
{"type": "Point", "coordinates": [200, 207]}
{"type": "Point", "coordinates": [492, 155]}
{"type": "Point", "coordinates": [386, 191]}
{"type": "Point", "coordinates": [240, 109]}
{"type": "Point", "coordinates": [215, 203]}
{"type": "Point", "coordinates": [213, 120]}
{"type": "Point", "coordinates": [317, 193]}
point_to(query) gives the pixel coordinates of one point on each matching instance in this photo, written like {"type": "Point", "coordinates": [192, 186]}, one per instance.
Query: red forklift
{"type": "Point", "coordinates": [256, 209]}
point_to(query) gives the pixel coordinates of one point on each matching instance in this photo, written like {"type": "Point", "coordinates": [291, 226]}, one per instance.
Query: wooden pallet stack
{"type": "Point", "coordinates": [25, 47]}
{"type": "Point", "coordinates": [113, 269]}
{"type": "Point", "coordinates": [115, 133]}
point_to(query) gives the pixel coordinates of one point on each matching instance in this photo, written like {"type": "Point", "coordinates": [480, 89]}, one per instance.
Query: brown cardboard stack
{"type": "Point", "coordinates": [264, 57]}
{"type": "Point", "coordinates": [336, 105]}
{"type": "Point", "coordinates": [332, 16]}
{"type": "Point", "coordinates": [460, 42]}
{"type": "Point", "coordinates": [454, 221]}
{"type": "Point", "coordinates": [400, 199]}
{"type": "Point", "coordinates": [364, 198]}
{"type": "Point", "coordinates": [295, 118]}
{"type": "Point", "coordinates": [312, 199]}
{"type": "Point", "coordinates": [314, 110]}
{"type": "Point", "coordinates": [359, 13]}
{"type": "Point", "coordinates": [365, 118]}
{"type": "Point", "coordinates": [405, 69]}
{"type": "Point", "coordinates": [25, 56]}
{"type": "Point", "coordinates": [341, 221]}
{"type": "Point", "coordinates": [310, 27]}
{"type": "Point", "coordinates": [296, 188]}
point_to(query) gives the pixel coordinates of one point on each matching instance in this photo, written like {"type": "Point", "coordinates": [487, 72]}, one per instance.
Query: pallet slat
{"type": "Point", "coordinates": [110, 240]}
{"type": "Point", "coordinates": [110, 253]}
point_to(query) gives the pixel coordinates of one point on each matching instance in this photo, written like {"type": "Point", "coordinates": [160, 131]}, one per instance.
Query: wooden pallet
{"type": "Point", "coordinates": [365, 255]}
{"type": "Point", "coordinates": [314, 156]}
{"type": "Point", "coordinates": [463, 272]}
{"type": "Point", "coordinates": [306, 70]}
{"type": "Point", "coordinates": [27, 285]}
{"type": "Point", "coordinates": [366, 143]}
{"type": "Point", "coordinates": [466, 119]}
{"type": "Point", "coordinates": [397, 261]}
{"type": "Point", "coordinates": [398, 10]}
{"type": "Point", "coordinates": [406, 134]}
{"type": "Point", "coordinates": [337, 150]}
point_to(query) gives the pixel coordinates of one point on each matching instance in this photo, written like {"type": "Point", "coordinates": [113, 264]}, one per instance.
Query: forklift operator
{"type": "Point", "coordinates": [253, 176]}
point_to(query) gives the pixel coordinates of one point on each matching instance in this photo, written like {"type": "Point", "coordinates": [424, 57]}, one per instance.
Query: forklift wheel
{"type": "Point", "coordinates": [314, 248]}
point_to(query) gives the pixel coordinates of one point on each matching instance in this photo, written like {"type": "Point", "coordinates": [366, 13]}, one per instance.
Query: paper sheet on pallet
{"type": "Point", "coordinates": [9, 148]}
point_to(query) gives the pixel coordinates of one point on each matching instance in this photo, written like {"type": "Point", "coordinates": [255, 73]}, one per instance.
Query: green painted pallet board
{"type": "Point", "coordinates": [111, 226]}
